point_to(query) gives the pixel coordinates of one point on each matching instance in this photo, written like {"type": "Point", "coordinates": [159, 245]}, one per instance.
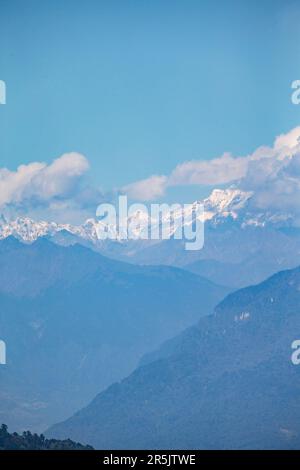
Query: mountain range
{"type": "Point", "coordinates": [226, 383]}
{"type": "Point", "coordinates": [75, 321]}
{"type": "Point", "coordinates": [219, 207]}
{"type": "Point", "coordinates": [78, 314]}
{"type": "Point", "coordinates": [268, 241]}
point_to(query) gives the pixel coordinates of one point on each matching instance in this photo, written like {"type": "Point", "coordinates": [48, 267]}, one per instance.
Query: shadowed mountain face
{"type": "Point", "coordinates": [27, 270]}
{"type": "Point", "coordinates": [227, 383]}
{"type": "Point", "coordinates": [232, 255]}
{"type": "Point", "coordinates": [74, 322]}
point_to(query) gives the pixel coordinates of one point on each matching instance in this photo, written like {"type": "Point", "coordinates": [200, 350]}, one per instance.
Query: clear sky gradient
{"type": "Point", "coordinates": [141, 86]}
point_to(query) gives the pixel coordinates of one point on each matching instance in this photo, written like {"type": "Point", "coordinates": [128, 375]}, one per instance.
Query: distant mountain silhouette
{"type": "Point", "coordinates": [232, 255]}
{"type": "Point", "coordinates": [74, 322]}
{"type": "Point", "coordinates": [227, 383]}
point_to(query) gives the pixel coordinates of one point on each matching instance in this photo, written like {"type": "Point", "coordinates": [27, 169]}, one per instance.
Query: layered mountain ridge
{"type": "Point", "coordinates": [227, 383]}
{"type": "Point", "coordinates": [75, 321]}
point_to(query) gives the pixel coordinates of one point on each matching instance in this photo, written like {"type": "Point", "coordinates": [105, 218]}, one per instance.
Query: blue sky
{"type": "Point", "coordinates": [139, 87]}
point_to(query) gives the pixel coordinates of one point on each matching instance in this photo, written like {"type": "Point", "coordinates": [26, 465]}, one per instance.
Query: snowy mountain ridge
{"type": "Point", "coordinates": [222, 205]}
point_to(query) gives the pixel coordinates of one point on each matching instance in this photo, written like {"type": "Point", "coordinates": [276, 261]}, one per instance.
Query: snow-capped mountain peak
{"type": "Point", "coordinates": [222, 205]}
{"type": "Point", "coordinates": [225, 200]}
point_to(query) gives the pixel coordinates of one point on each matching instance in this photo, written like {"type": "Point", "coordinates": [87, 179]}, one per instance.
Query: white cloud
{"type": "Point", "coordinates": [12, 183]}
{"type": "Point", "coordinates": [147, 189]}
{"type": "Point", "coordinates": [272, 173]}
{"type": "Point", "coordinates": [288, 141]}
{"type": "Point", "coordinates": [59, 178]}
{"type": "Point", "coordinates": [222, 170]}
{"type": "Point", "coordinates": [42, 182]}
{"type": "Point", "coordinates": [51, 192]}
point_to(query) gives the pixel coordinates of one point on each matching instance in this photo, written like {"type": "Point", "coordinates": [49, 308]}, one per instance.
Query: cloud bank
{"type": "Point", "coordinates": [271, 173]}
{"type": "Point", "coordinates": [40, 181]}
{"type": "Point", "coordinates": [51, 191]}
{"type": "Point", "coordinates": [59, 191]}
{"type": "Point", "coordinates": [148, 189]}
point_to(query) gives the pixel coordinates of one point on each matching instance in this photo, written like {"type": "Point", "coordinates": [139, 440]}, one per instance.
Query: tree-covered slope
{"type": "Point", "coordinates": [227, 383]}
{"type": "Point", "coordinates": [28, 441]}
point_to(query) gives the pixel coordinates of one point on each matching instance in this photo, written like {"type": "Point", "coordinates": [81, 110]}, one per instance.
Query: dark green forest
{"type": "Point", "coordinates": [28, 441]}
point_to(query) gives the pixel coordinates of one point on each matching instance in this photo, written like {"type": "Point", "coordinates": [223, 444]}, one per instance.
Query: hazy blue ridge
{"type": "Point", "coordinates": [74, 322]}
{"type": "Point", "coordinates": [226, 383]}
